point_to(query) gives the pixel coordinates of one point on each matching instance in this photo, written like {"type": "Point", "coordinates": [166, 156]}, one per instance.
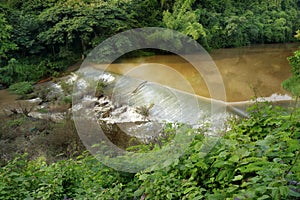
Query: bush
{"type": "Point", "coordinates": [31, 69]}
{"type": "Point", "coordinates": [292, 84]}
{"type": "Point", "coordinates": [257, 159]}
{"type": "Point", "coordinates": [21, 88]}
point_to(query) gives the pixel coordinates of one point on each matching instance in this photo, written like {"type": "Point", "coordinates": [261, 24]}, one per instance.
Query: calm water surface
{"type": "Point", "coordinates": [246, 71]}
{"type": "Point", "coordinates": [256, 70]}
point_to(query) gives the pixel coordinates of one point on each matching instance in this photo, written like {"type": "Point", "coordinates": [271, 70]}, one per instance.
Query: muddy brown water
{"type": "Point", "coordinates": [246, 71]}
{"type": "Point", "coordinates": [6, 100]}
{"type": "Point", "coordinates": [6, 96]}
{"type": "Point", "coordinates": [256, 70]}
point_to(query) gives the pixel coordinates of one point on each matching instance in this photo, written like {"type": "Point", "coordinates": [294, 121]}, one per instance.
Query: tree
{"type": "Point", "coordinates": [5, 34]}
{"type": "Point", "coordinates": [185, 20]}
{"type": "Point", "coordinates": [25, 30]}
{"type": "Point", "coordinates": [79, 25]}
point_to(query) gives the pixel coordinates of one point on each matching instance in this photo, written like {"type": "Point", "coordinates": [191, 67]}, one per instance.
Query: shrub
{"type": "Point", "coordinates": [292, 84]}
{"type": "Point", "coordinates": [21, 88]}
{"type": "Point", "coordinates": [257, 159]}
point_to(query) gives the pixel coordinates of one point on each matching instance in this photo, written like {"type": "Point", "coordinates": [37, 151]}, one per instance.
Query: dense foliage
{"type": "Point", "coordinates": [257, 159]}
{"type": "Point", "coordinates": [292, 84]}
{"type": "Point", "coordinates": [39, 38]}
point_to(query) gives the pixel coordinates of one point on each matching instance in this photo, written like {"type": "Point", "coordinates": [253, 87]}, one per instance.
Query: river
{"type": "Point", "coordinates": [256, 70]}
{"type": "Point", "coordinates": [246, 71]}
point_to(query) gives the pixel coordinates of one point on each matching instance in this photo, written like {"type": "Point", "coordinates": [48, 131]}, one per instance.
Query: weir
{"type": "Point", "coordinates": [140, 108]}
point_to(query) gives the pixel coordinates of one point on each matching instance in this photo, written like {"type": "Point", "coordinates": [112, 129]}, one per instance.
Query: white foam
{"type": "Point", "coordinates": [72, 78]}
{"type": "Point", "coordinates": [107, 78]}
{"type": "Point", "coordinates": [35, 100]}
{"type": "Point", "coordinates": [275, 97]}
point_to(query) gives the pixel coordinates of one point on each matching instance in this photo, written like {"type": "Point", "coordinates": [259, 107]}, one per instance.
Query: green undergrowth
{"type": "Point", "coordinates": [258, 158]}
{"type": "Point", "coordinates": [21, 88]}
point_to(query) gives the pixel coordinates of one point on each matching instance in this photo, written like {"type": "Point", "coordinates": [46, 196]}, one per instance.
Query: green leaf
{"type": "Point", "coordinates": [143, 177]}
{"type": "Point", "coordinates": [187, 190]}
{"type": "Point", "coordinates": [95, 145]}
{"type": "Point", "coordinates": [234, 158]}
{"type": "Point", "coordinates": [139, 192]}
{"type": "Point", "coordinates": [284, 190]}
{"type": "Point", "coordinates": [293, 193]}
{"type": "Point", "coordinates": [263, 197]}
{"type": "Point", "coordinates": [237, 178]}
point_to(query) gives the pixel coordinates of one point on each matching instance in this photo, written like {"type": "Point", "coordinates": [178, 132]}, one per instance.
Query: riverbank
{"type": "Point", "coordinates": [42, 123]}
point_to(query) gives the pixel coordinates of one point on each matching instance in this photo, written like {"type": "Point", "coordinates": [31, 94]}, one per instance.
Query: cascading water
{"type": "Point", "coordinates": [141, 108]}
